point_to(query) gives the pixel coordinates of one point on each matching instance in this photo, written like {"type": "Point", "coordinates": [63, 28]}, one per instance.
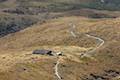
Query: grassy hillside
{"type": "Point", "coordinates": [20, 14]}
{"type": "Point", "coordinates": [27, 25]}
{"type": "Point", "coordinates": [17, 58]}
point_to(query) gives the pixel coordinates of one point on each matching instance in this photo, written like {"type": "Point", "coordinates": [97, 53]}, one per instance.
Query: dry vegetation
{"type": "Point", "coordinates": [16, 59]}
{"type": "Point", "coordinates": [17, 15]}
{"type": "Point", "coordinates": [16, 49]}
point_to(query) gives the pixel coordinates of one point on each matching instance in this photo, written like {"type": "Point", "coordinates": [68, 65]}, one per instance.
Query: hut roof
{"type": "Point", "coordinates": [42, 52]}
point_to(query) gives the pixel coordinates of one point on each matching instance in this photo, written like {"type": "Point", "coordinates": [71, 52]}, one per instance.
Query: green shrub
{"type": "Point", "coordinates": [10, 23]}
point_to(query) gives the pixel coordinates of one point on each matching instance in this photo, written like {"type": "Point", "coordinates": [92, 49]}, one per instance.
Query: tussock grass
{"type": "Point", "coordinates": [54, 35]}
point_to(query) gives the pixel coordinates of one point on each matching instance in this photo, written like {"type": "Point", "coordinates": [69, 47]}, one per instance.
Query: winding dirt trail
{"type": "Point", "coordinates": [72, 30]}
{"type": "Point", "coordinates": [89, 53]}
{"type": "Point", "coordinates": [101, 43]}
{"type": "Point", "coordinates": [56, 70]}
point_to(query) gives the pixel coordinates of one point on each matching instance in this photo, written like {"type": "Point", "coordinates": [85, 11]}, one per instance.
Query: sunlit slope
{"type": "Point", "coordinates": [53, 32]}
{"type": "Point", "coordinates": [16, 49]}
{"type": "Point", "coordinates": [57, 32]}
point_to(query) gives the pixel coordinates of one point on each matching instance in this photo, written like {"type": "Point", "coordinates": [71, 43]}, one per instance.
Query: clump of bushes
{"type": "Point", "coordinates": [35, 7]}
{"type": "Point", "coordinates": [11, 24]}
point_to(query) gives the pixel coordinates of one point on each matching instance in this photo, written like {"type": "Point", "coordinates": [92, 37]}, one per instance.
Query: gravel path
{"type": "Point", "coordinates": [89, 53]}
{"type": "Point", "coordinates": [56, 70]}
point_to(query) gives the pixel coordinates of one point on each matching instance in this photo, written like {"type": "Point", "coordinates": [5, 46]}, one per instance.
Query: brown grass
{"type": "Point", "coordinates": [16, 49]}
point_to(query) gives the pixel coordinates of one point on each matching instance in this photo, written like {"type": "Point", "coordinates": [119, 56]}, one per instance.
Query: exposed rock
{"type": "Point", "coordinates": [108, 75]}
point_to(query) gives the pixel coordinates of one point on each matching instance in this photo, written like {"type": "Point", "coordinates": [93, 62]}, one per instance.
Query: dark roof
{"type": "Point", "coordinates": [42, 52]}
